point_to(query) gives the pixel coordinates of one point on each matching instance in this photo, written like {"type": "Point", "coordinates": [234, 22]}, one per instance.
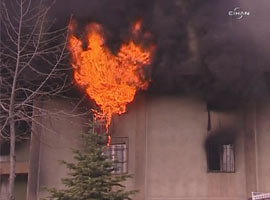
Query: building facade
{"type": "Point", "coordinates": [167, 140]}
{"type": "Point", "coordinates": [22, 157]}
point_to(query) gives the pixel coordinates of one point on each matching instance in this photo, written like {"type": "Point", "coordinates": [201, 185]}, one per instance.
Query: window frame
{"type": "Point", "coordinates": [221, 154]}
{"type": "Point", "coordinates": [120, 141]}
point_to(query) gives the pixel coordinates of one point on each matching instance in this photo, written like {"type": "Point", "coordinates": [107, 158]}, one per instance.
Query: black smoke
{"type": "Point", "coordinates": [199, 47]}
{"type": "Point", "coordinates": [221, 136]}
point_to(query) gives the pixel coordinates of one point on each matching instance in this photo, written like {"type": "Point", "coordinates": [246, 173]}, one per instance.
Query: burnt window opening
{"type": "Point", "coordinates": [118, 154]}
{"type": "Point", "coordinates": [220, 157]}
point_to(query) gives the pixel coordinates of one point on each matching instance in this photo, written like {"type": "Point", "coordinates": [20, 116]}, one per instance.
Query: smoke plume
{"type": "Point", "coordinates": [199, 47]}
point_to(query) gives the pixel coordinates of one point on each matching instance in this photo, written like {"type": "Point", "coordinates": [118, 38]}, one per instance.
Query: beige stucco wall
{"type": "Point", "coordinates": [170, 150]}
{"type": "Point", "coordinates": [263, 146]}
{"type": "Point", "coordinates": [176, 159]}
{"type": "Point", "coordinates": [54, 135]}
{"type": "Point", "coordinates": [166, 154]}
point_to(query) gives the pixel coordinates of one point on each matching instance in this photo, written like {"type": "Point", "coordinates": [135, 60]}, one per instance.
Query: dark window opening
{"type": "Point", "coordinates": [4, 149]}
{"type": "Point", "coordinates": [220, 157]}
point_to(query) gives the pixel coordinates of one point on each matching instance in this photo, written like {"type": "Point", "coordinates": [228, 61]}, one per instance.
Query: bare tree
{"type": "Point", "coordinates": [32, 55]}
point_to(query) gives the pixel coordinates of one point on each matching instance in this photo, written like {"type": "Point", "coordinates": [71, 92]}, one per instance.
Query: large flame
{"type": "Point", "coordinates": [110, 80]}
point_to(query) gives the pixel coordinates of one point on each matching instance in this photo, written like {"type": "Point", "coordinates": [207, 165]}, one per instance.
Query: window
{"type": "Point", "coordinates": [4, 148]}
{"type": "Point", "coordinates": [118, 154]}
{"type": "Point", "coordinates": [99, 126]}
{"type": "Point", "coordinates": [220, 157]}
{"type": "Point", "coordinates": [260, 196]}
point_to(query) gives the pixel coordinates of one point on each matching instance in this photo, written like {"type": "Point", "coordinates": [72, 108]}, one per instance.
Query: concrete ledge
{"type": "Point", "coordinates": [21, 168]}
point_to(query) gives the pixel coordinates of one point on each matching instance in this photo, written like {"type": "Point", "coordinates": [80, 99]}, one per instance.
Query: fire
{"type": "Point", "coordinates": [110, 80]}
{"type": "Point", "coordinates": [137, 27]}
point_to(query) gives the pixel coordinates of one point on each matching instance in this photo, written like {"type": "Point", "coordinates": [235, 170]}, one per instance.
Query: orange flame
{"type": "Point", "coordinates": [110, 80]}
{"type": "Point", "coordinates": [137, 27]}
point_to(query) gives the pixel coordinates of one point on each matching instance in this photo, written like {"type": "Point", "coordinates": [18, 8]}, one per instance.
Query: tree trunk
{"type": "Point", "coordinates": [12, 173]}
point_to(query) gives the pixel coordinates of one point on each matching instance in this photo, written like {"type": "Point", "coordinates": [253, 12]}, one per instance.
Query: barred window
{"type": "Point", "coordinates": [118, 154]}
{"type": "Point", "coordinates": [220, 157]}
{"type": "Point", "coordinates": [260, 196]}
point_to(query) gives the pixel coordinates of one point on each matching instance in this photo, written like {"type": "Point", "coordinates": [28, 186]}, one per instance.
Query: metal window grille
{"type": "Point", "coordinates": [220, 157]}
{"type": "Point", "coordinates": [260, 196]}
{"type": "Point", "coordinates": [118, 154]}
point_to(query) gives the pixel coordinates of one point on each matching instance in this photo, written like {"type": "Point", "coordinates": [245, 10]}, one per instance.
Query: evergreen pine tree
{"type": "Point", "coordinates": [91, 177]}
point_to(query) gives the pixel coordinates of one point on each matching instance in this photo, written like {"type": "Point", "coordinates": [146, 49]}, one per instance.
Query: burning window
{"type": "Point", "coordinates": [220, 157]}
{"type": "Point", "coordinates": [118, 154]}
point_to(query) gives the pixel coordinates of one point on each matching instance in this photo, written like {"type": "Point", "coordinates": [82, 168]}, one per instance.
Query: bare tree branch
{"type": "Point", "coordinates": [31, 67]}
